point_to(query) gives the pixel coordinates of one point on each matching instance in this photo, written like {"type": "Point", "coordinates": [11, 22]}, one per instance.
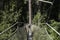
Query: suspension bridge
{"type": "Point", "coordinates": [29, 26]}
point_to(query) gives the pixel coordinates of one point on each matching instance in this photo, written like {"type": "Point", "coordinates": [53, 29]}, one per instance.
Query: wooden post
{"type": "Point", "coordinates": [29, 33]}
{"type": "Point", "coordinates": [30, 12]}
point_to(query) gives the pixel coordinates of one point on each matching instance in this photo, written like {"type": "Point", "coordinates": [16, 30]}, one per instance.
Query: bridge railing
{"type": "Point", "coordinates": [8, 29]}
{"type": "Point", "coordinates": [53, 29]}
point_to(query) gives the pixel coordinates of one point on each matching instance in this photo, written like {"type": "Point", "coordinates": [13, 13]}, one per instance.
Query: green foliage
{"type": "Point", "coordinates": [40, 32]}
{"type": "Point", "coordinates": [36, 18]}
{"type": "Point", "coordinates": [8, 17]}
{"type": "Point", "coordinates": [56, 26]}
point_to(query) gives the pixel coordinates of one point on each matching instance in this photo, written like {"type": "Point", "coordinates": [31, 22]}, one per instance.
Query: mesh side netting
{"type": "Point", "coordinates": [19, 35]}
{"type": "Point", "coordinates": [39, 34]}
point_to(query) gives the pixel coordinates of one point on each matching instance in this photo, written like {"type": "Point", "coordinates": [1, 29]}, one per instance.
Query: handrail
{"type": "Point", "coordinates": [8, 28]}
{"type": "Point", "coordinates": [13, 33]}
{"type": "Point", "coordinates": [48, 34]}
{"type": "Point", "coordinates": [53, 29]}
{"type": "Point", "coordinates": [46, 2]}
